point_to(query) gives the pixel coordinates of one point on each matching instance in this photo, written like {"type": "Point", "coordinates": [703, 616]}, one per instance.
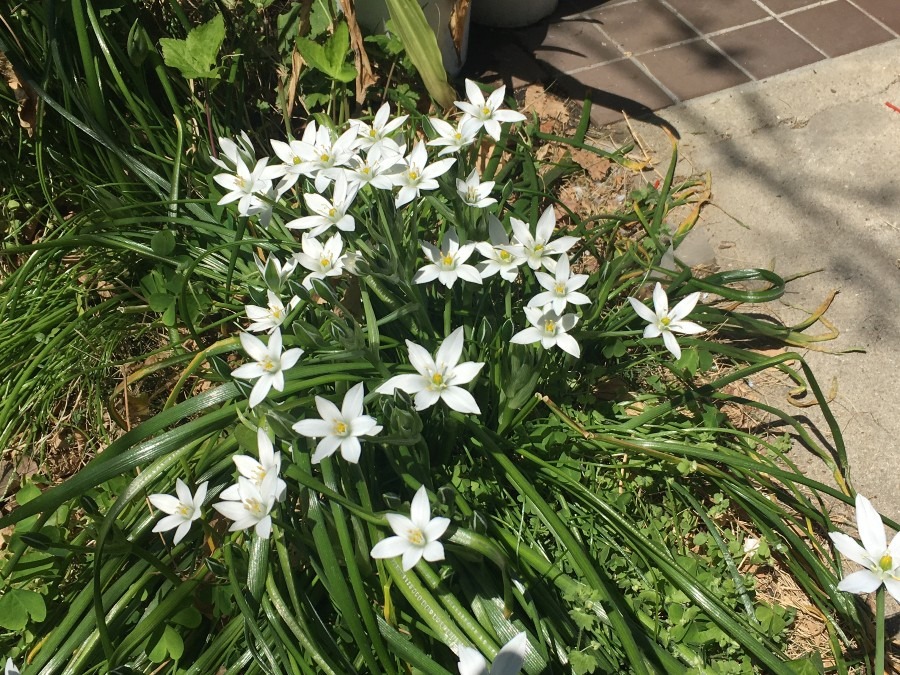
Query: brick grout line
{"type": "Point", "coordinates": [706, 39]}
{"type": "Point", "coordinates": [874, 18]}
{"type": "Point", "coordinates": [800, 35]}
{"type": "Point", "coordinates": [626, 55]}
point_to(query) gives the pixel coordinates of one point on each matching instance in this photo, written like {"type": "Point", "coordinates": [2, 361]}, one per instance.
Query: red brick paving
{"type": "Point", "coordinates": [643, 55]}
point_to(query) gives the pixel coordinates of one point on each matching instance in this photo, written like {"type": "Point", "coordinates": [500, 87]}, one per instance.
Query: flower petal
{"type": "Point", "coordinates": [325, 448]}
{"type": "Point", "coordinates": [660, 300]}
{"type": "Point", "coordinates": [447, 355]}
{"type": "Point", "coordinates": [471, 662]}
{"type": "Point", "coordinates": [313, 428]}
{"type": "Point", "coordinates": [420, 509]}
{"type": "Point", "coordinates": [411, 556]}
{"type": "Point", "coordinates": [433, 550]}
{"type": "Point", "coordinates": [411, 384]}
{"type": "Point", "coordinates": [420, 359]}
{"type": "Point", "coordinates": [352, 406]}
{"type": "Point", "coordinates": [672, 344]}
{"type": "Point", "coordinates": [684, 307]}
{"type": "Point", "coordinates": [860, 582]}
{"type": "Point", "coordinates": [351, 449]}
{"type": "Point", "coordinates": [871, 529]}
{"type": "Point", "coordinates": [642, 310]}
{"type": "Point", "coordinates": [893, 587]}
{"type": "Point", "coordinates": [435, 528]}
{"type": "Point", "coordinates": [460, 400]}
{"type": "Point", "coordinates": [165, 503]}
{"type": "Point", "coordinates": [511, 657]}
{"type": "Point", "coordinates": [390, 547]}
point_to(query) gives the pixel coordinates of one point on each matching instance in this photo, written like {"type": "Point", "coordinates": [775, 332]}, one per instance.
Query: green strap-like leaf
{"type": "Point", "coordinates": [422, 47]}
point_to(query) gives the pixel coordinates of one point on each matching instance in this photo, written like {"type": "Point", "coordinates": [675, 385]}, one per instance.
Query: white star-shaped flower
{"type": "Point", "coordinates": [550, 329]}
{"type": "Point", "coordinates": [508, 661]}
{"type": "Point", "coordinates": [537, 249]}
{"type": "Point", "coordinates": [381, 128]}
{"type": "Point", "coordinates": [269, 462]}
{"type": "Point", "coordinates": [449, 263]}
{"type": "Point", "coordinates": [323, 260]}
{"type": "Point", "coordinates": [339, 428]}
{"type": "Point", "coordinates": [378, 168]}
{"type": "Point", "coordinates": [268, 364]}
{"type": "Point", "coordinates": [666, 322]}
{"type": "Point", "coordinates": [320, 152]}
{"type": "Point", "coordinates": [183, 509]}
{"type": "Point", "coordinates": [453, 139]}
{"type": "Point", "coordinates": [415, 537]}
{"type": "Point", "coordinates": [475, 193]}
{"type": "Point", "coordinates": [561, 289]}
{"type": "Point", "coordinates": [232, 151]}
{"type": "Point", "coordinates": [438, 378]}
{"type": "Point", "coordinates": [880, 560]}
{"type": "Point", "coordinates": [327, 213]}
{"type": "Point", "coordinates": [418, 175]}
{"type": "Point", "coordinates": [267, 319]}
{"type": "Point", "coordinates": [292, 163]}
{"type": "Point", "coordinates": [499, 255]}
{"type": "Point", "coordinates": [250, 505]}
{"type": "Point", "coordinates": [247, 187]}
{"type": "Point", "coordinates": [487, 112]}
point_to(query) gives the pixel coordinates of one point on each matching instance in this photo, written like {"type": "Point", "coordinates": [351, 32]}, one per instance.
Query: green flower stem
{"type": "Point", "coordinates": [476, 632]}
{"type": "Point", "coordinates": [349, 549]}
{"type": "Point", "coordinates": [570, 544]}
{"type": "Point", "coordinates": [879, 630]}
{"type": "Point", "coordinates": [425, 604]}
{"type": "Point", "coordinates": [273, 596]}
{"type": "Point", "coordinates": [448, 313]}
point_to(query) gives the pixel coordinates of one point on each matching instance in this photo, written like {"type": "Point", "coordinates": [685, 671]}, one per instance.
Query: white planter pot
{"type": "Point", "coordinates": [511, 13]}
{"type": "Point", "coordinates": [373, 14]}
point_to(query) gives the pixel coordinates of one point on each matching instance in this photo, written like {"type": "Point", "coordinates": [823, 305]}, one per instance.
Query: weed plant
{"type": "Point", "coordinates": [584, 489]}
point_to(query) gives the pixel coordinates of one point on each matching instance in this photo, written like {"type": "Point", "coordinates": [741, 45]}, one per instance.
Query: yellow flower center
{"type": "Point", "coordinates": [269, 365]}
{"type": "Point", "coordinates": [505, 256]}
{"type": "Point", "coordinates": [372, 133]}
{"type": "Point", "coordinates": [538, 248]}
{"type": "Point", "coordinates": [437, 380]}
{"type": "Point", "coordinates": [325, 263]}
{"type": "Point", "coordinates": [240, 182]}
{"type": "Point", "coordinates": [457, 136]}
{"type": "Point", "coordinates": [886, 563]}
{"type": "Point", "coordinates": [413, 174]}
{"type": "Point", "coordinates": [560, 289]}
{"type": "Point", "coordinates": [276, 312]}
{"type": "Point", "coordinates": [184, 511]}
{"type": "Point", "coordinates": [253, 506]}
{"type": "Point", "coordinates": [416, 537]}
{"type": "Point", "coordinates": [340, 429]}
{"type": "Point", "coordinates": [472, 194]}
{"type": "Point", "coordinates": [549, 326]}
{"type": "Point", "coordinates": [366, 170]}
{"type": "Point", "coordinates": [485, 111]}
{"type": "Point", "coordinates": [447, 260]}
{"type": "Point", "coordinates": [297, 160]}
{"type": "Point", "coordinates": [324, 157]}
{"type": "Point", "coordinates": [665, 321]}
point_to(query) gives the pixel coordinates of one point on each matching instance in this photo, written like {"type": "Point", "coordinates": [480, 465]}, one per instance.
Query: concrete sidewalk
{"type": "Point", "coordinates": [806, 176]}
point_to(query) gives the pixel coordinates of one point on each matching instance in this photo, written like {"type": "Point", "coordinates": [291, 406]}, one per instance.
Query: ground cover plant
{"type": "Point", "coordinates": [414, 415]}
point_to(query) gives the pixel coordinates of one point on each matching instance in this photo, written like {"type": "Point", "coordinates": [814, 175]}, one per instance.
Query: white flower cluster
{"type": "Point", "coordinates": [335, 170]}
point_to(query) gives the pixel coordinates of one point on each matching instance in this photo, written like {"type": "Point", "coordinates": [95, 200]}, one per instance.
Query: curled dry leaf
{"type": "Point", "coordinates": [25, 95]}
{"type": "Point", "coordinates": [365, 78]}
{"type": "Point", "coordinates": [459, 19]}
